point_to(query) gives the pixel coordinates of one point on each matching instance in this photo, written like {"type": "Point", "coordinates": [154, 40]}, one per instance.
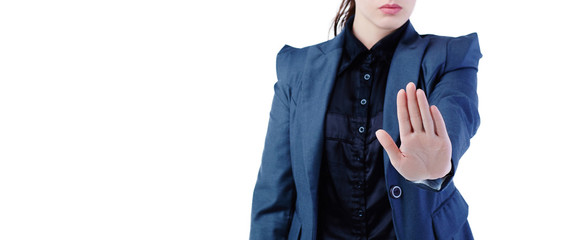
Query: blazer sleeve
{"type": "Point", "coordinates": [274, 193]}
{"type": "Point", "coordinates": [455, 95]}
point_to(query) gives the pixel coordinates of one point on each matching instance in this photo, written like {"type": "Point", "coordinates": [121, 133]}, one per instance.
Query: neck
{"type": "Point", "coordinates": [367, 32]}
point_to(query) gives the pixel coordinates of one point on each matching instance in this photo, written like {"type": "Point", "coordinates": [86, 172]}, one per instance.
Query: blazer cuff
{"type": "Point", "coordinates": [434, 184]}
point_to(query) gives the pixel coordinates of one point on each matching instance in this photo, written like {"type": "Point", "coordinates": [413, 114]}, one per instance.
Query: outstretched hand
{"type": "Point", "coordinates": [425, 151]}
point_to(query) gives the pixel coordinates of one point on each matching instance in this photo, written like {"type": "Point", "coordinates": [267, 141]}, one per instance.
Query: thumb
{"type": "Point", "coordinates": [389, 145]}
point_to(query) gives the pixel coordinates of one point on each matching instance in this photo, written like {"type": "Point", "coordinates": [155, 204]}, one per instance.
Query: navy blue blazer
{"type": "Point", "coordinates": [285, 201]}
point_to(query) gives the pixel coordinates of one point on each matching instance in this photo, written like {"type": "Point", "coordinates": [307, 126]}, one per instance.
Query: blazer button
{"type": "Point", "coordinates": [395, 192]}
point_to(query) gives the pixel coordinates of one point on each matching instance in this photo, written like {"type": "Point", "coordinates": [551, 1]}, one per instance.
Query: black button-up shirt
{"type": "Point", "coordinates": [353, 201]}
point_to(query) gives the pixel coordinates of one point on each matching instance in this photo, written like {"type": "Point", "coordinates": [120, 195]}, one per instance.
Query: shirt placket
{"type": "Point", "coordinates": [364, 86]}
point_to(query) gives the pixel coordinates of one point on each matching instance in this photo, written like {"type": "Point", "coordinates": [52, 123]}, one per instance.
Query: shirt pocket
{"type": "Point", "coordinates": [450, 217]}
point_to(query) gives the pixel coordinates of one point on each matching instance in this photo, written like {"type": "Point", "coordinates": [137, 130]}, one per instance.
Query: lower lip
{"type": "Point", "coordinates": [388, 10]}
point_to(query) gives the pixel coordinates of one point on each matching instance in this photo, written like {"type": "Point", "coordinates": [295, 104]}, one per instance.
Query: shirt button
{"type": "Point", "coordinates": [360, 213]}
{"type": "Point", "coordinates": [359, 185]}
{"type": "Point", "coordinates": [367, 77]}
{"type": "Point", "coordinates": [363, 102]}
{"type": "Point", "coordinates": [395, 192]}
{"type": "Point", "coordinates": [361, 129]}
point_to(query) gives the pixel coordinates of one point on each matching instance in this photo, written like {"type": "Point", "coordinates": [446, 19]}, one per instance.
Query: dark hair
{"type": "Point", "coordinates": [346, 10]}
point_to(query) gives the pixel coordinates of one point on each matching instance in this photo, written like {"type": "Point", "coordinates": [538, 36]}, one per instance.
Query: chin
{"type": "Point", "coordinates": [390, 22]}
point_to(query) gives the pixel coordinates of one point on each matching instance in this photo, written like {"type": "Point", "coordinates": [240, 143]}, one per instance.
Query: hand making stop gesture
{"type": "Point", "coordinates": [425, 151]}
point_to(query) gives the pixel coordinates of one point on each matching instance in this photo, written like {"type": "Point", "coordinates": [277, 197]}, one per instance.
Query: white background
{"type": "Point", "coordinates": [146, 119]}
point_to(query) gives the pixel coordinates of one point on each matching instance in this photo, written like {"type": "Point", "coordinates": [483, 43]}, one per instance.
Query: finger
{"type": "Point", "coordinates": [413, 107]}
{"type": "Point", "coordinates": [389, 145]}
{"type": "Point", "coordinates": [440, 125]}
{"type": "Point", "coordinates": [402, 113]}
{"type": "Point", "coordinates": [428, 123]}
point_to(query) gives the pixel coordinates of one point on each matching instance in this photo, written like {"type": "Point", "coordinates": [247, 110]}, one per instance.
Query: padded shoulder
{"type": "Point", "coordinates": [288, 60]}
{"type": "Point", "coordinates": [445, 54]}
{"type": "Point", "coordinates": [463, 52]}
{"type": "Point", "coordinates": [284, 59]}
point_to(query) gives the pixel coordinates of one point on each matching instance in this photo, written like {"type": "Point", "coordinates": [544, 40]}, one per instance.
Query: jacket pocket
{"type": "Point", "coordinates": [295, 229]}
{"type": "Point", "coordinates": [450, 217]}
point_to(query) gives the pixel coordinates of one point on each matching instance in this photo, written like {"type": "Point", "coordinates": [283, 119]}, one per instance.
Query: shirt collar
{"type": "Point", "coordinates": [383, 49]}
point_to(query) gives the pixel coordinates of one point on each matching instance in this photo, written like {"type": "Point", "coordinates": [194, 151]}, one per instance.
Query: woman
{"type": "Point", "coordinates": [331, 166]}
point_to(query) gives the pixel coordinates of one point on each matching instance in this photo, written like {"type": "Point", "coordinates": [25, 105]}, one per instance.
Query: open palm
{"type": "Point", "coordinates": [425, 151]}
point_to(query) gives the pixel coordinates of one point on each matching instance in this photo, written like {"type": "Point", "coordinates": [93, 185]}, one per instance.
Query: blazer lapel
{"type": "Point", "coordinates": [317, 83]}
{"type": "Point", "coordinates": [405, 67]}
